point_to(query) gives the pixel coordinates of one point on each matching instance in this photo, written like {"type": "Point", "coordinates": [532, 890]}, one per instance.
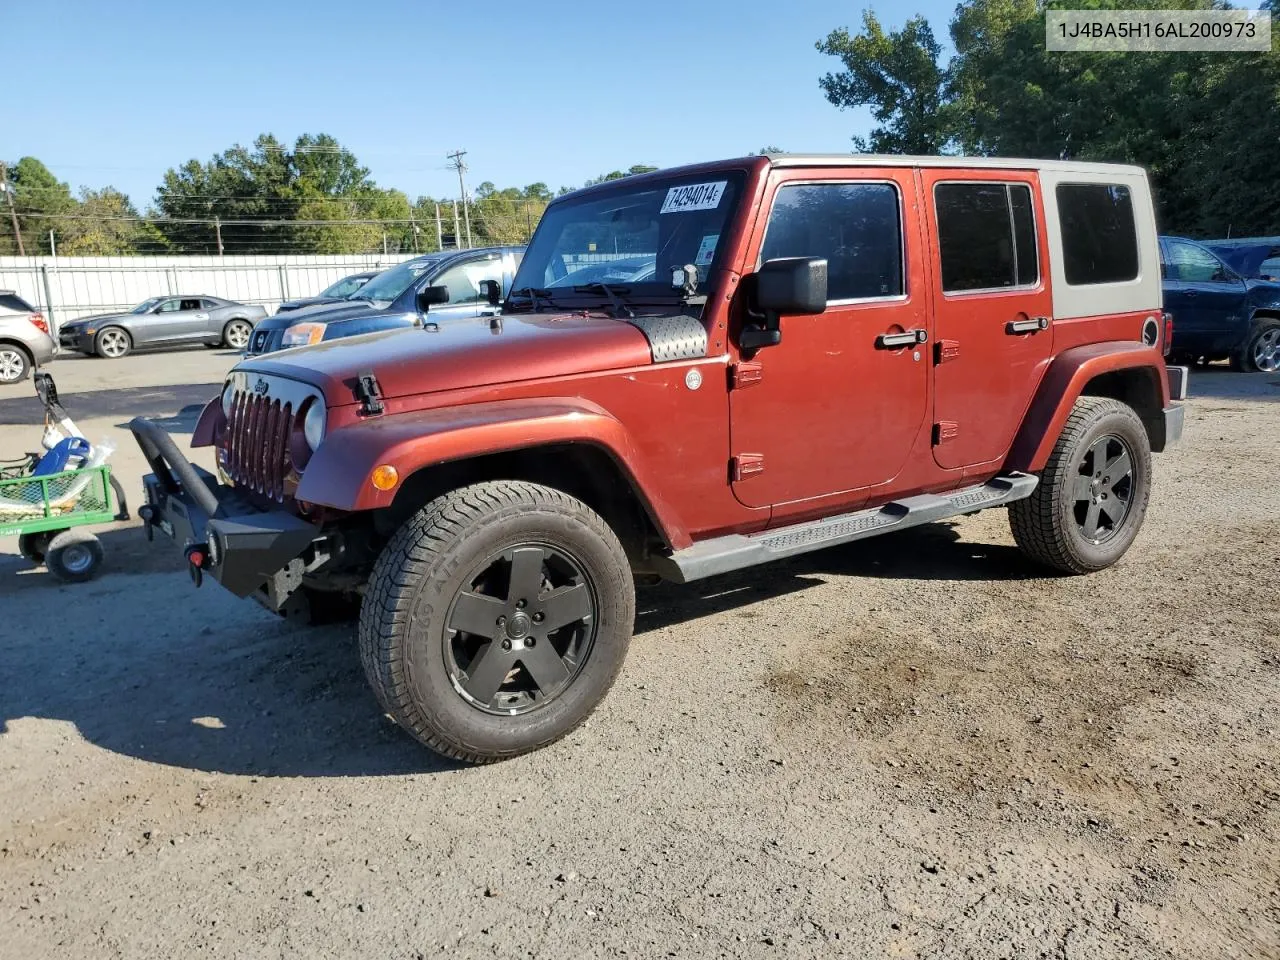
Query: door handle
{"type": "Point", "coordinates": [1030, 325]}
{"type": "Point", "coordinates": [202, 316]}
{"type": "Point", "coordinates": [895, 341]}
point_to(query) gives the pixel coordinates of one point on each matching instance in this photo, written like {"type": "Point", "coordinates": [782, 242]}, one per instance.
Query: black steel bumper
{"type": "Point", "coordinates": [224, 536]}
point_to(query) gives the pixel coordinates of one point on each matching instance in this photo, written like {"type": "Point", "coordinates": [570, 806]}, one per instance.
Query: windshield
{"type": "Point", "coordinates": [634, 238]}
{"type": "Point", "coordinates": [389, 284]}
{"type": "Point", "coordinates": [146, 305]}
{"type": "Point", "coordinates": [344, 287]}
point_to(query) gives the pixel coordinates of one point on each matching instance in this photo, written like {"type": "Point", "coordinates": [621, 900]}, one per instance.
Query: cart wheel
{"type": "Point", "coordinates": [74, 556]}
{"type": "Point", "coordinates": [34, 545]}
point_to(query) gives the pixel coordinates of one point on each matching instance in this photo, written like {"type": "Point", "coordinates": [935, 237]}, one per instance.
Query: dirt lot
{"type": "Point", "coordinates": [918, 746]}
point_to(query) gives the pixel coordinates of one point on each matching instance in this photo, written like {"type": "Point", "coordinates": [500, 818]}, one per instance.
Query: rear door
{"type": "Point", "coordinates": [992, 308]}
{"type": "Point", "coordinates": [835, 408]}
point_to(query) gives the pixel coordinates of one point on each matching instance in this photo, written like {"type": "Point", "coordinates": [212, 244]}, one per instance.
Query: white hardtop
{"type": "Point", "coordinates": [979, 163]}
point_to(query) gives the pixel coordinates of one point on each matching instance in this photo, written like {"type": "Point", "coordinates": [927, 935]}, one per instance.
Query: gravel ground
{"type": "Point", "coordinates": [917, 746]}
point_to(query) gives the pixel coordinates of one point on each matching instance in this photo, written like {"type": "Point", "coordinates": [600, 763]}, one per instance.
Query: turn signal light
{"type": "Point", "coordinates": [384, 476]}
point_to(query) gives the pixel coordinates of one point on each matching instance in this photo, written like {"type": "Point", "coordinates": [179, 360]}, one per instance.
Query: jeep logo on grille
{"type": "Point", "coordinates": [261, 386]}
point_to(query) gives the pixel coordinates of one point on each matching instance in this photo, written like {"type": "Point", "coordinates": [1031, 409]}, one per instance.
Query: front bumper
{"type": "Point", "coordinates": [246, 549]}
{"type": "Point", "coordinates": [76, 340]}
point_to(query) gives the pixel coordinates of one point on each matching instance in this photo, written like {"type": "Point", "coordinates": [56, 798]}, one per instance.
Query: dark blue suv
{"type": "Point", "coordinates": [391, 299]}
{"type": "Point", "coordinates": [1217, 313]}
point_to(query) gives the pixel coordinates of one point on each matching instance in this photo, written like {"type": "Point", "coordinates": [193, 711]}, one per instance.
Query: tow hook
{"type": "Point", "coordinates": [197, 561]}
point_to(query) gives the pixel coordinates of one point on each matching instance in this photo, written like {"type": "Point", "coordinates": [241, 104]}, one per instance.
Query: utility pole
{"type": "Point", "coordinates": [439, 229]}
{"type": "Point", "coordinates": [8, 192]}
{"type": "Point", "coordinates": [461, 167]}
{"type": "Point", "coordinates": [53, 245]}
{"type": "Point", "coordinates": [457, 228]}
{"type": "Point", "coordinates": [415, 236]}
{"type": "Point", "coordinates": [217, 229]}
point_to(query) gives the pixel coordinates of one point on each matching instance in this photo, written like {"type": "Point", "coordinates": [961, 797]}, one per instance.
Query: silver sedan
{"type": "Point", "coordinates": [163, 322]}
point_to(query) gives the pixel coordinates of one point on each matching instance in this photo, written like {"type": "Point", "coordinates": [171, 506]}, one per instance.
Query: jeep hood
{"type": "Point", "coordinates": [461, 353]}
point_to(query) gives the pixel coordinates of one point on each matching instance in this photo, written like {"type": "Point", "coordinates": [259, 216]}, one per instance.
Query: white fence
{"type": "Point", "coordinates": [64, 288]}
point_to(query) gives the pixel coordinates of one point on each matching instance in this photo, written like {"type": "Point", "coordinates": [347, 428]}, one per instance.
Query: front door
{"type": "Point", "coordinates": [1206, 298]}
{"type": "Point", "coordinates": [463, 280]}
{"type": "Point", "coordinates": [835, 407]}
{"type": "Point", "coordinates": [993, 309]}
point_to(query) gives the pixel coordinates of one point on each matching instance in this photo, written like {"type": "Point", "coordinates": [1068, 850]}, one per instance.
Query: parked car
{"type": "Point", "coordinates": [331, 294]}
{"type": "Point", "coordinates": [830, 348]}
{"type": "Point", "coordinates": [164, 322]}
{"type": "Point", "coordinates": [1257, 257]}
{"type": "Point", "coordinates": [24, 338]}
{"type": "Point", "coordinates": [1217, 313]}
{"type": "Point", "coordinates": [390, 299]}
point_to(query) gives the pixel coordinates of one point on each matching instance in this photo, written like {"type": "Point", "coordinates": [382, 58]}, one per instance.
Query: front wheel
{"type": "Point", "coordinates": [14, 364]}
{"type": "Point", "coordinates": [112, 343]}
{"type": "Point", "coordinates": [1093, 492]}
{"type": "Point", "coordinates": [496, 619]}
{"type": "Point", "coordinates": [1261, 350]}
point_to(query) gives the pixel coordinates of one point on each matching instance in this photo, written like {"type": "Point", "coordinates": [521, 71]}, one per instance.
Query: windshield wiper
{"type": "Point", "coordinates": [535, 295]}
{"type": "Point", "coordinates": [619, 305]}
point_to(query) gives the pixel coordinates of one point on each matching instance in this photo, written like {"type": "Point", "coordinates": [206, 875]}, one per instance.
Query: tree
{"type": "Point", "coordinates": [39, 199]}
{"type": "Point", "coordinates": [619, 174]}
{"type": "Point", "coordinates": [898, 75]}
{"type": "Point", "coordinates": [106, 224]}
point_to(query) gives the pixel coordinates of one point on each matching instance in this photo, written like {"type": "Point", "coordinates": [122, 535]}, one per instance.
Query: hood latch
{"type": "Point", "coordinates": [368, 393]}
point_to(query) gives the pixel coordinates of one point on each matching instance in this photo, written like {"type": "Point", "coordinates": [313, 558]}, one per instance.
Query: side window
{"type": "Point", "coordinates": [986, 236]}
{"type": "Point", "coordinates": [169, 306]}
{"type": "Point", "coordinates": [208, 305]}
{"type": "Point", "coordinates": [191, 304]}
{"type": "Point", "coordinates": [1099, 238]}
{"type": "Point", "coordinates": [463, 280]}
{"type": "Point", "coordinates": [856, 226]}
{"type": "Point", "coordinates": [1193, 264]}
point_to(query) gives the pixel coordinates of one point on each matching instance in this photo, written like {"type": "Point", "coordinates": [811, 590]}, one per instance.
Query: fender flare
{"type": "Point", "coordinates": [338, 473]}
{"type": "Point", "coordinates": [1063, 384]}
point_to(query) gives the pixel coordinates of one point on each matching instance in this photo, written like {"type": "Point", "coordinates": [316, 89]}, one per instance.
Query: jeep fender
{"type": "Point", "coordinates": [1068, 378]}
{"type": "Point", "coordinates": [338, 474]}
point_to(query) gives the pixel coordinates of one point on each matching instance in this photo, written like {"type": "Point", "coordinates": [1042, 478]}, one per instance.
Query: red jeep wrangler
{"type": "Point", "coordinates": [697, 370]}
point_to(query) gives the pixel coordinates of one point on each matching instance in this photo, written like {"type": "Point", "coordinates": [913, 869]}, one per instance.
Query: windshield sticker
{"type": "Point", "coordinates": [694, 196]}
{"type": "Point", "coordinates": [707, 250]}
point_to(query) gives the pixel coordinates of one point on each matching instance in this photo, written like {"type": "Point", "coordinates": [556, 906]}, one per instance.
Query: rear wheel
{"type": "Point", "coordinates": [1093, 492]}
{"type": "Point", "coordinates": [74, 556]}
{"type": "Point", "coordinates": [496, 619]}
{"type": "Point", "coordinates": [14, 364]}
{"type": "Point", "coordinates": [236, 333]}
{"type": "Point", "coordinates": [112, 343]}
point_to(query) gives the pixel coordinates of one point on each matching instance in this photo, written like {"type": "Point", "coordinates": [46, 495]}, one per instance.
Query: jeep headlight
{"type": "Point", "coordinates": [313, 425]}
{"type": "Point", "coordinates": [302, 334]}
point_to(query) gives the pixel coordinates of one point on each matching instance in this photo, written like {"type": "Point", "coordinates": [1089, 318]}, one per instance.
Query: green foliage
{"type": "Point", "coordinates": [1203, 124]}
{"type": "Point", "coordinates": [898, 75]}
{"type": "Point", "coordinates": [105, 225]}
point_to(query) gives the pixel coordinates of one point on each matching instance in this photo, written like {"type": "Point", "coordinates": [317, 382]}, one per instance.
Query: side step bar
{"type": "Point", "coordinates": [735, 552]}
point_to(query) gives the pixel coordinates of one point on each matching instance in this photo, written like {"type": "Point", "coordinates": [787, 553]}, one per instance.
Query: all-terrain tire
{"type": "Point", "coordinates": [407, 647]}
{"type": "Point", "coordinates": [1047, 525]}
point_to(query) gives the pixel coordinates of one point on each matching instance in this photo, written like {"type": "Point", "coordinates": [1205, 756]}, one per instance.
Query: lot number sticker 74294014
{"type": "Point", "coordinates": [694, 196]}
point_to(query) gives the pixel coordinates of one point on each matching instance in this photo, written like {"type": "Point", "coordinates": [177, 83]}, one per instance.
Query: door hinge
{"type": "Point", "coordinates": [946, 350]}
{"type": "Point", "coordinates": [945, 430]}
{"type": "Point", "coordinates": [745, 374]}
{"type": "Point", "coordinates": [746, 465]}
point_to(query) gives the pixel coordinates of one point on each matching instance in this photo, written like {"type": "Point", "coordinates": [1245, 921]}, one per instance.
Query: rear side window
{"type": "Point", "coordinates": [855, 226]}
{"type": "Point", "coordinates": [1099, 237]}
{"type": "Point", "coordinates": [986, 236]}
{"type": "Point", "coordinates": [11, 301]}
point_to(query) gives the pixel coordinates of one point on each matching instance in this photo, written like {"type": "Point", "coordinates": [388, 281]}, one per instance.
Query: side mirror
{"type": "Point", "coordinates": [429, 297]}
{"type": "Point", "coordinates": [783, 285]}
{"type": "Point", "coordinates": [491, 290]}
{"type": "Point", "coordinates": [792, 285]}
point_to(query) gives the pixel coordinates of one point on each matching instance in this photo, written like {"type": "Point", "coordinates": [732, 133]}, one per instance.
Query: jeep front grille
{"type": "Point", "coordinates": [257, 443]}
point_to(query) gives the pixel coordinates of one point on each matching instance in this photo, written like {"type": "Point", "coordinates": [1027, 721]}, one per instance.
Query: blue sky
{"type": "Point", "coordinates": [555, 90]}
